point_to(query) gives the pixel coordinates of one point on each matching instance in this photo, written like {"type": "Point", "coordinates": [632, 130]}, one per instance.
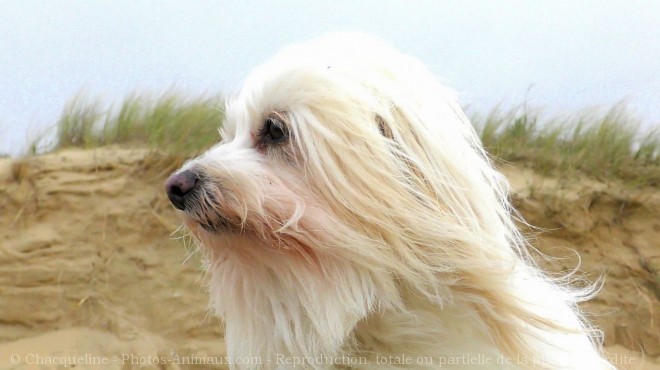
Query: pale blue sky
{"type": "Point", "coordinates": [573, 54]}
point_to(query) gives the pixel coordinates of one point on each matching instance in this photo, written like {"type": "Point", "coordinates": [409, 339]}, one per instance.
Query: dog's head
{"type": "Point", "coordinates": [338, 136]}
{"type": "Point", "coordinates": [346, 177]}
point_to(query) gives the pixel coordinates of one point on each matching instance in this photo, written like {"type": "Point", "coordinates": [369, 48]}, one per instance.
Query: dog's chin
{"type": "Point", "coordinates": [215, 236]}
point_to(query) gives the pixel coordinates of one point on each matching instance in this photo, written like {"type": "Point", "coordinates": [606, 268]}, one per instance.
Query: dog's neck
{"type": "Point", "coordinates": [276, 308]}
{"type": "Point", "coordinates": [277, 315]}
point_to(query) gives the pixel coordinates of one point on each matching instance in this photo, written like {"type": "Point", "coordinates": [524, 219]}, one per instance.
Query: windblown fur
{"type": "Point", "coordinates": [378, 228]}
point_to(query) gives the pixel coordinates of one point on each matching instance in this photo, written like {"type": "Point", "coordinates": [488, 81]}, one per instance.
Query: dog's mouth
{"type": "Point", "coordinates": [218, 224]}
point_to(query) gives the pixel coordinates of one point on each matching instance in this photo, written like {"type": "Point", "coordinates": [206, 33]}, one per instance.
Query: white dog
{"type": "Point", "coordinates": [351, 219]}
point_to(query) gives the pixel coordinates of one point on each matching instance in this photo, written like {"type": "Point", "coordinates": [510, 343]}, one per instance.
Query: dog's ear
{"type": "Point", "coordinates": [385, 130]}
{"type": "Point", "coordinates": [414, 175]}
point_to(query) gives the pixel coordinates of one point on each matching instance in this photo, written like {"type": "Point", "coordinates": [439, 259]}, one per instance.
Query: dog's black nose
{"type": "Point", "coordinates": [180, 185]}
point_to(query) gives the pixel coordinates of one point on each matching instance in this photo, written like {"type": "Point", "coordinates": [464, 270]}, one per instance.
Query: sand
{"type": "Point", "coordinates": [90, 263]}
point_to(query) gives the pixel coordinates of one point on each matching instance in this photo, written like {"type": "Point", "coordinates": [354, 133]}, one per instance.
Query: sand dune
{"type": "Point", "coordinates": [89, 268]}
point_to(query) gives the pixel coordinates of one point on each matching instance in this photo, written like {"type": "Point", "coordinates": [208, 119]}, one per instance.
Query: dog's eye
{"type": "Point", "coordinates": [274, 131]}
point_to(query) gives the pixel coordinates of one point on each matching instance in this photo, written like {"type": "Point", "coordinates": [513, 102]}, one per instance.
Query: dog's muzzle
{"type": "Point", "coordinates": [181, 186]}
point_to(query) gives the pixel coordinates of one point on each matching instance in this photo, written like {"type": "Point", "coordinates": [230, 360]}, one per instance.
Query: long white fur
{"type": "Point", "coordinates": [380, 229]}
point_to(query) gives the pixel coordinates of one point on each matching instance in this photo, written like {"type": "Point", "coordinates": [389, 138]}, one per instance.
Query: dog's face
{"type": "Point", "coordinates": [345, 176]}
{"type": "Point", "coordinates": [326, 136]}
{"type": "Point", "coordinates": [312, 147]}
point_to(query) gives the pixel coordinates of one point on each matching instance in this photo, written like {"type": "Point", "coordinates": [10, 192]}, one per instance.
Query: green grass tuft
{"type": "Point", "coordinates": [169, 123]}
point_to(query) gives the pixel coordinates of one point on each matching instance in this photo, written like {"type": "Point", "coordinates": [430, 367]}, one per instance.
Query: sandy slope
{"type": "Point", "coordinates": [88, 267]}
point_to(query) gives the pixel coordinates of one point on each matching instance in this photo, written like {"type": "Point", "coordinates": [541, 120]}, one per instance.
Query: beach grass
{"type": "Point", "coordinates": [168, 123]}
{"type": "Point", "coordinates": [602, 144]}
